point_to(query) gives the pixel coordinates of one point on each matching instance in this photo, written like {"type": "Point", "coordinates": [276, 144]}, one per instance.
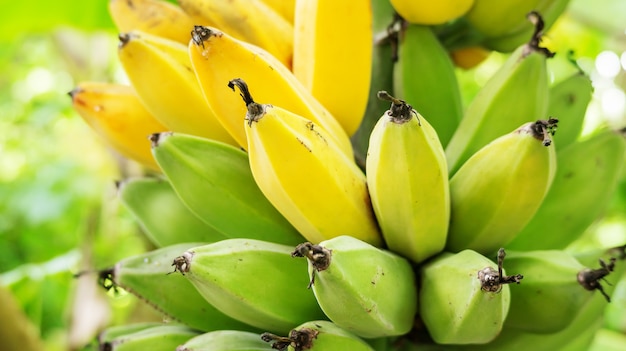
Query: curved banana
{"type": "Point", "coordinates": [253, 281]}
{"type": "Point", "coordinates": [407, 179]}
{"type": "Point", "coordinates": [499, 189]}
{"type": "Point", "coordinates": [164, 218]}
{"type": "Point", "coordinates": [495, 18]}
{"type": "Point", "coordinates": [157, 338]}
{"type": "Point", "coordinates": [146, 276]}
{"type": "Point", "coordinates": [117, 115]}
{"type": "Point", "coordinates": [550, 296]}
{"type": "Point", "coordinates": [587, 170]}
{"type": "Point", "coordinates": [225, 340]}
{"type": "Point", "coordinates": [368, 291]}
{"type": "Point", "coordinates": [161, 73]}
{"type": "Point", "coordinates": [322, 29]}
{"type": "Point", "coordinates": [157, 17]}
{"type": "Point", "coordinates": [305, 175]}
{"type": "Point", "coordinates": [431, 12]}
{"type": "Point", "coordinates": [215, 182]}
{"type": "Point", "coordinates": [425, 76]}
{"type": "Point", "coordinates": [516, 93]}
{"type": "Point", "coordinates": [550, 11]}
{"type": "Point", "coordinates": [317, 336]}
{"type": "Point", "coordinates": [252, 21]}
{"type": "Point", "coordinates": [464, 297]}
{"type": "Point", "coordinates": [218, 58]}
{"type": "Point", "coordinates": [568, 102]}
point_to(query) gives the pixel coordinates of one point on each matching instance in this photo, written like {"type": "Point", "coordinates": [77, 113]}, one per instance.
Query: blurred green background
{"type": "Point", "coordinates": [59, 214]}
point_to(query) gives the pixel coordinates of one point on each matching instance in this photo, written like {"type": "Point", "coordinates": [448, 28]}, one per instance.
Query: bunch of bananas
{"type": "Point", "coordinates": [299, 202]}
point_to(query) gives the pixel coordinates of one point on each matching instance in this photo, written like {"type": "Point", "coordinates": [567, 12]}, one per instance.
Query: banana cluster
{"type": "Point", "coordinates": [317, 184]}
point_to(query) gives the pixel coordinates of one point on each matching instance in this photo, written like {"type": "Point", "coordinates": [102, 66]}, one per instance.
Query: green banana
{"type": "Point", "coordinates": [225, 340]}
{"type": "Point", "coordinates": [163, 217]}
{"type": "Point", "coordinates": [407, 178]}
{"type": "Point", "coordinates": [253, 281]}
{"type": "Point", "coordinates": [588, 170]}
{"type": "Point", "coordinates": [214, 180]}
{"type": "Point", "coordinates": [157, 338]}
{"type": "Point", "coordinates": [550, 296]}
{"type": "Point", "coordinates": [608, 340]}
{"type": "Point", "coordinates": [515, 94]}
{"type": "Point", "coordinates": [317, 335]}
{"type": "Point", "coordinates": [568, 102]}
{"type": "Point", "coordinates": [425, 76]}
{"type": "Point", "coordinates": [615, 312]}
{"type": "Point", "coordinates": [363, 289]}
{"type": "Point", "coordinates": [465, 297]}
{"type": "Point", "coordinates": [499, 189]}
{"type": "Point", "coordinates": [494, 18]}
{"type": "Point", "coordinates": [146, 276]}
{"type": "Point", "coordinates": [550, 11]}
{"type": "Point", "coordinates": [384, 48]}
{"type": "Point", "coordinates": [117, 331]}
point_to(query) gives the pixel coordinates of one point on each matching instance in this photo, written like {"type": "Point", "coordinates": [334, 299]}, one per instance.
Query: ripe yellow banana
{"type": "Point", "coordinates": [322, 30]}
{"type": "Point", "coordinates": [407, 178]}
{"type": "Point", "coordinates": [218, 57]}
{"type": "Point", "coordinates": [156, 17]}
{"type": "Point", "coordinates": [252, 21]}
{"type": "Point", "coordinates": [117, 115]}
{"type": "Point", "coordinates": [320, 191]}
{"type": "Point", "coordinates": [499, 189]}
{"type": "Point", "coordinates": [160, 71]}
{"type": "Point", "coordinates": [431, 12]}
{"type": "Point", "coordinates": [285, 8]}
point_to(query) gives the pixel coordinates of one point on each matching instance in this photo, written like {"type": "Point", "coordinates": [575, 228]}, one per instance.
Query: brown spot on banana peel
{"type": "Point", "coordinates": [492, 280]}
{"type": "Point", "coordinates": [318, 256]}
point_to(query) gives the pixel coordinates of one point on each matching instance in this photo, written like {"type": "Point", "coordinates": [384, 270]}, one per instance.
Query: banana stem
{"type": "Point", "coordinates": [400, 111]}
{"type": "Point", "coordinates": [492, 280]}
{"type": "Point", "coordinates": [301, 339]}
{"type": "Point", "coordinates": [255, 111]}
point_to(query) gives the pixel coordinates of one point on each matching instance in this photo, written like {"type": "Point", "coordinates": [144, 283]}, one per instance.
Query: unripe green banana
{"type": "Point", "coordinates": [407, 178]}
{"type": "Point", "coordinates": [363, 289]}
{"type": "Point", "coordinates": [155, 338]}
{"type": "Point", "coordinates": [550, 296]}
{"type": "Point", "coordinates": [464, 297]}
{"type": "Point", "coordinates": [253, 281]}
{"type": "Point", "coordinates": [225, 340]}
{"type": "Point", "coordinates": [494, 18]}
{"type": "Point", "coordinates": [117, 331]}
{"type": "Point", "coordinates": [615, 312]}
{"type": "Point", "coordinates": [425, 76]}
{"type": "Point", "coordinates": [550, 10]}
{"type": "Point", "coordinates": [499, 189]}
{"type": "Point", "coordinates": [317, 336]}
{"type": "Point", "coordinates": [161, 214]}
{"type": "Point", "coordinates": [515, 94]}
{"type": "Point", "coordinates": [384, 49]}
{"type": "Point", "coordinates": [215, 182]}
{"type": "Point", "coordinates": [568, 102]}
{"type": "Point", "coordinates": [608, 340]}
{"type": "Point", "coordinates": [146, 276]}
{"type": "Point", "coordinates": [587, 170]}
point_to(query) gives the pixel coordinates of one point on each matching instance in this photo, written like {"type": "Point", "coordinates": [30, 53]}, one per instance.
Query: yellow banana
{"type": "Point", "coordinates": [407, 178]}
{"type": "Point", "coordinates": [322, 29]}
{"type": "Point", "coordinates": [160, 71]}
{"type": "Point", "coordinates": [285, 8]}
{"type": "Point", "coordinates": [251, 21]}
{"type": "Point", "coordinates": [156, 17]}
{"type": "Point", "coordinates": [431, 12]}
{"type": "Point", "coordinates": [218, 57]}
{"type": "Point", "coordinates": [320, 191]}
{"type": "Point", "coordinates": [115, 113]}
{"type": "Point", "coordinates": [499, 189]}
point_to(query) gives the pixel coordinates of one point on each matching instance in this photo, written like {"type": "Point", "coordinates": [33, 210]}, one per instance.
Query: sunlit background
{"type": "Point", "coordinates": [59, 214]}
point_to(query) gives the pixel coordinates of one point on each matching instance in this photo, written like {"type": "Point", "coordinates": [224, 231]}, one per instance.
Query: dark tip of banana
{"type": "Point", "coordinates": [182, 263]}
{"type": "Point", "coordinates": [590, 278]}
{"type": "Point", "coordinates": [157, 138]}
{"type": "Point", "coordinates": [537, 20]}
{"type": "Point", "coordinates": [201, 34]}
{"type": "Point", "coordinates": [72, 93]}
{"type": "Point", "coordinates": [124, 39]}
